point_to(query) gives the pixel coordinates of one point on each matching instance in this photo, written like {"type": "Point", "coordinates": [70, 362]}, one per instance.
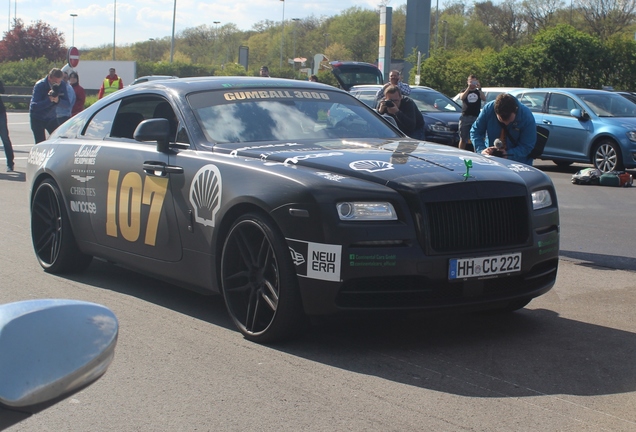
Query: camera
{"type": "Point", "coordinates": [499, 145]}
{"type": "Point", "coordinates": [474, 83]}
{"type": "Point", "coordinates": [55, 90]}
{"type": "Point", "coordinates": [389, 104]}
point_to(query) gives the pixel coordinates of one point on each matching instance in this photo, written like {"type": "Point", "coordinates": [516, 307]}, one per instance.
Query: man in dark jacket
{"type": "Point", "coordinates": [402, 108]}
{"type": "Point", "coordinates": [4, 133]}
{"type": "Point", "coordinates": [47, 93]}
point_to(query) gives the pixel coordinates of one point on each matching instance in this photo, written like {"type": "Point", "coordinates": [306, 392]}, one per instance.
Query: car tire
{"type": "Point", "coordinates": [259, 283]}
{"type": "Point", "coordinates": [53, 240]}
{"type": "Point", "coordinates": [607, 156]}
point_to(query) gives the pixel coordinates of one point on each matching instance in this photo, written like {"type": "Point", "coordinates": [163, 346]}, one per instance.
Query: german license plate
{"type": "Point", "coordinates": [461, 268]}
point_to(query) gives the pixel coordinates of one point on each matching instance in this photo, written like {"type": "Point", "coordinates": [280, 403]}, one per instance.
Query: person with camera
{"type": "Point", "coordinates": [4, 133]}
{"type": "Point", "coordinates": [65, 108]}
{"type": "Point", "coordinates": [47, 93]}
{"type": "Point", "coordinates": [509, 127]}
{"type": "Point", "coordinates": [471, 106]}
{"type": "Point", "coordinates": [402, 108]}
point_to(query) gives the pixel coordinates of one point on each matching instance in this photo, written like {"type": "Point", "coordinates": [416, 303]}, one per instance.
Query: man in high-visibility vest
{"type": "Point", "coordinates": [111, 84]}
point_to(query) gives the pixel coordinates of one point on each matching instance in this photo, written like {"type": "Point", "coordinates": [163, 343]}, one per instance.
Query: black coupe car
{"type": "Point", "coordinates": [244, 187]}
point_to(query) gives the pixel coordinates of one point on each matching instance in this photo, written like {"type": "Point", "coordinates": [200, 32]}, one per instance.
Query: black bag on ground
{"type": "Point", "coordinates": [587, 176]}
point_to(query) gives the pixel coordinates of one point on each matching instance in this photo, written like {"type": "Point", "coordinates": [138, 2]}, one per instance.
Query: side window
{"type": "Point", "coordinates": [164, 110]}
{"type": "Point", "coordinates": [533, 100]}
{"type": "Point", "coordinates": [561, 104]}
{"type": "Point", "coordinates": [99, 126]}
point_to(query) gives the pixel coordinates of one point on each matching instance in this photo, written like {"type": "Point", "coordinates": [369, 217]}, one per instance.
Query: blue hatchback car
{"type": "Point", "coordinates": [588, 126]}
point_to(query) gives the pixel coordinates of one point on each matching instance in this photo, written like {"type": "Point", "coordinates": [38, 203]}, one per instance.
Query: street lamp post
{"type": "Point", "coordinates": [216, 37]}
{"type": "Point", "coordinates": [436, 23]}
{"type": "Point", "coordinates": [114, 25]}
{"type": "Point", "coordinates": [282, 36]}
{"type": "Point", "coordinates": [295, 20]}
{"type": "Point", "coordinates": [445, 31]}
{"type": "Point", "coordinates": [73, 39]}
{"type": "Point", "coordinates": [174, 18]}
{"type": "Point", "coordinates": [152, 42]}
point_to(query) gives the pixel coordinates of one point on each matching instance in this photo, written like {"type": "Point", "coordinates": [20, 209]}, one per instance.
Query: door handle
{"type": "Point", "coordinates": [547, 122]}
{"type": "Point", "coordinates": [161, 169]}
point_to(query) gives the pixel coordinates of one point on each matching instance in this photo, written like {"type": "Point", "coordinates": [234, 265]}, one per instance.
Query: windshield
{"type": "Point", "coordinates": [610, 105]}
{"type": "Point", "coordinates": [252, 115]}
{"type": "Point", "coordinates": [432, 101]}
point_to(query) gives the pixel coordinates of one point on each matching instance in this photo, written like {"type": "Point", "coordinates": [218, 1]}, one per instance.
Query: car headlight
{"type": "Point", "coordinates": [541, 199]}
{"type": "Point", "coordinates": [438, 127]}
{"type": "Point", "coordinates": [366, 211]}
{"type": "Point", "coordinates": [631, 135]}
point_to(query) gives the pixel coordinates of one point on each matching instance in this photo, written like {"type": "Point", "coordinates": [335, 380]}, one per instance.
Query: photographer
{"type": "Point", "coordinates": [406, 114]}
{"type": "Point", "coordinates": [47, 93]}
{"type": "Point", "coordinates": [471, 106]}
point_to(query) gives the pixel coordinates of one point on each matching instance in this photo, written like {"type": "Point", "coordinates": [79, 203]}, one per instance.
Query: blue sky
{"type": "Point", "coordinates": [140, 20]}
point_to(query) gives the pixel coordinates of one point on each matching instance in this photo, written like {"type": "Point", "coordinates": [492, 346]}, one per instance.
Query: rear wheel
{"type": "Point", "coordinates": [607, 156]}
{"type": "Point", "coordinates": [51, 234]}
{"type": "Point", "coordinates": [259, 282]}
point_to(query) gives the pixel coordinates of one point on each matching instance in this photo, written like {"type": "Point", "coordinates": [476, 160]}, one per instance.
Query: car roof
{"type": "Point", "coordinates": [195, 84]}
{"type": "Point", "coordinates": [572, 90]}
{"type": "Point", "coordinates": [377, 87]}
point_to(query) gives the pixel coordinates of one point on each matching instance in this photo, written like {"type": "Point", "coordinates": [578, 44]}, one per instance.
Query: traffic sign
{"type": "Point", "coordinates": [73, 57]}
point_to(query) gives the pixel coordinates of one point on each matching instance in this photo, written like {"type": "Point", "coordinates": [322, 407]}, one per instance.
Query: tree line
{"type": "Point", "coordinates": [526, 43]}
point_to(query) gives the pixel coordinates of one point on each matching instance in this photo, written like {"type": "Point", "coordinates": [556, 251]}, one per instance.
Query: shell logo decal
{"type": "Point", "coordinates": [205, 194]}
{"type": "Point", "coordinates": [370, 165]}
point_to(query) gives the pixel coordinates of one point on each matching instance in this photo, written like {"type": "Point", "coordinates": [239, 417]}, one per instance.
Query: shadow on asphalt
{"type": "Point", "coordinates": [599, 261]}
{"type": "Point", "coordinates": [15, 176]}
{"type": "Point", "coordinates": [531, 352]}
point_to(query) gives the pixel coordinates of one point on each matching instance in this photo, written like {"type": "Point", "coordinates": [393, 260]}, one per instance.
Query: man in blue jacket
{"type": "Point", "coordinates": [47, 93]}
{"type": "Point", "coordinates": [510, 121]}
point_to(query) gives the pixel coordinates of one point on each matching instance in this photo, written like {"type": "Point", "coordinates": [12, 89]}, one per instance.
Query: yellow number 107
{"type": "Point", "coordinates": [125, 213]}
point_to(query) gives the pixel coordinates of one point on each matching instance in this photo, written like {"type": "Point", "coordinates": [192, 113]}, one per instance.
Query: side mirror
{"type": "Point", "coordinates": [49, 350]}
{"type": "Point", "coordinates": [579, 114]}
{"type": "Point", "coordinates": [156, 129]}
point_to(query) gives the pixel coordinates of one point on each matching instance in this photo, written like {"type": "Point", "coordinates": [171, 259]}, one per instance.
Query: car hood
{"type": "Point", "coordinates": [399, 164]}
{"type": "Point", "coordinates": [624, 122]}
{"type": "Point", "coordinates": [447, 118]}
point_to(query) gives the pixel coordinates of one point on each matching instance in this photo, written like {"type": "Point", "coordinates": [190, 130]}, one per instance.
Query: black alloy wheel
{"type": "Point", "coordinates": [259, 282]}
{"type": "Point", "coordinates": [51, 234]}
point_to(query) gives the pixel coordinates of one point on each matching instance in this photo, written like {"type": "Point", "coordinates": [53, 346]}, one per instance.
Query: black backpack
{"type": "Point", "coordinates": [542, 138]}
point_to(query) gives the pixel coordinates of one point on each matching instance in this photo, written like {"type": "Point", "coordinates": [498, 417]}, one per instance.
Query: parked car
{"type": "Point", "coordinates": [631, 96]}
{"type": "Point", "coordinates": [490, 92]}
{"type": "Point", "coordinates": [441, 114]}
{"type": "Point", "coordinates": [350, 73]}
{"type": "Point", "coordinates": [49, 350]}
{"type": "Point", "coordinates": [147, 78]}
{"type": "Point", "coordinates": [586, 126]}
{"type": "Point", "coordinates": [241, 186]}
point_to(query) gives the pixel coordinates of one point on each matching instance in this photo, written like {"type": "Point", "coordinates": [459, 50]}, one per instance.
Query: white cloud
{"type": "Point", "coordinates": [143, 19]}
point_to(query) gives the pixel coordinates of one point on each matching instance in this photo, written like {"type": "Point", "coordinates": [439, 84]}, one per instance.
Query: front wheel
{"type": "Point", "coordinates": [607, 157]}
{"type": "Point", "coordinates": [51, 233]}
{"type": "Point", "coordinates": [259, 282]}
